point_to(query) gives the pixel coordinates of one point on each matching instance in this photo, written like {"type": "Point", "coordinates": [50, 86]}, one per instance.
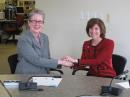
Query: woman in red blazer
{"type": "Point", "coordinates": [96, 52]}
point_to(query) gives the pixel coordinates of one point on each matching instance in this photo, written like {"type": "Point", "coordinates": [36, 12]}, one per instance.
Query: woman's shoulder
{"type": "Point", "coordinates": [25, 34]}
{"type": "Point", "coordinates": [44, 35]}
{"type": "Point", "coordinates": [108, 40]}
{"type": "Point", "coordinates": [87, 42]}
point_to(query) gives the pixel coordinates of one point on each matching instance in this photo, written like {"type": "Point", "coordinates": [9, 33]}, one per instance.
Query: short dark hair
{"type": "Point", "coordinates": [99, 22]}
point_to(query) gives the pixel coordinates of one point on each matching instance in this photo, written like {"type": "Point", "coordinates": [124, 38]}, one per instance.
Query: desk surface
{"type": "Point", "coordinates": [71, 86]}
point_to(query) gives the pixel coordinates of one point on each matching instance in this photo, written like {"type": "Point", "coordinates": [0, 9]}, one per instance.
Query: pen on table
{"type": "Point", "coordinates": [83, 96]}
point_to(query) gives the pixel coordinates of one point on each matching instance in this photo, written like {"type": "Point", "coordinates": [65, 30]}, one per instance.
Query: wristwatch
{"type": "Point", "coordinates": [59, 66]}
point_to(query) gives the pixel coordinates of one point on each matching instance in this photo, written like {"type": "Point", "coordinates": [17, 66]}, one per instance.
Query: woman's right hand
{"type": "Point", "coordinates": [65, 63]}
{"type": "Point", "coordinates": [68, 58]}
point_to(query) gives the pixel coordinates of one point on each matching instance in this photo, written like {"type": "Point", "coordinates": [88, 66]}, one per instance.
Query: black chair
{"type": "Point", "coordinates": [118, 62]}
{"type": "Point", "coordinates": [12, 28]}
{"type": "Point", "coordinates": [9, 30]}
{"type": "Point", "coordinates": [12, 60]}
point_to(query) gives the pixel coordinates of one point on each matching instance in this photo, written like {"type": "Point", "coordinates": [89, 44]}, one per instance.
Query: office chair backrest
{"type": "Point", "coordinates": [119, 63]}
{"type": "Point", "coordinates": [9, 27]}
{"type": "Point", "coordinates": [12, 60]}
{"type": "Point", "coordinates": [19, 20]}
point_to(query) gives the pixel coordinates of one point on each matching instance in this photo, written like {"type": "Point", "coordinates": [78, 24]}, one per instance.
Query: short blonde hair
{"type": "Point", "coordinates": [36, 11]}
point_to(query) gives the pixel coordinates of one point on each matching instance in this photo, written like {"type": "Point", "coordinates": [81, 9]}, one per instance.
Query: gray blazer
{"type": "Point", "coordinates": [34, 58]}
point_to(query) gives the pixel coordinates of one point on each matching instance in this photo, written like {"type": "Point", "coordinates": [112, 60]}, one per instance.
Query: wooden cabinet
{"type": "Point", "coordinates": [28, 5]}
{"type": "Point", "coordinates": [2, 1]}
{"type": "Point", "coordinates": [2, 5]}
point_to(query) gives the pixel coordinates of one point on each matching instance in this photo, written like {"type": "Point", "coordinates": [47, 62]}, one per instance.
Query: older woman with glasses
{"type": "Point", "coordinates": [33, 48]}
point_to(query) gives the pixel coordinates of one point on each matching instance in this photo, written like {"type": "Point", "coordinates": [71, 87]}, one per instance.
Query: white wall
{"type": "Point", "coordinates": [66, 22]}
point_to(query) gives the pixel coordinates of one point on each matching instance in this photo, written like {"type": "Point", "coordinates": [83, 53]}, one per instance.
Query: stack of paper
{"type": "Point", "coordinates": [125, 85]}
{"type": "Point", "coordinates": [47, 81]}
{"type": "Point", "coordinates": [11, 82]}
{"type": "Point", "coordinates": [91, 96]}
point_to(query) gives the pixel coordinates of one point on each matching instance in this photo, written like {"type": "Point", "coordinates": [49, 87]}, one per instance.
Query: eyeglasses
{"type": "Point", "coordinates": [35, 21]}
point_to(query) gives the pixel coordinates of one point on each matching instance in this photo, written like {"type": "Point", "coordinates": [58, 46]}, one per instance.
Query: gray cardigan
{"type": "Point", "coordinates": [33, 57]}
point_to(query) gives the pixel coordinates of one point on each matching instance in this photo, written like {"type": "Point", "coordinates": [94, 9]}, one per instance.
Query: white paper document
{"type": "Point", "coordinates": [47, 81]}
{"type": "Point", "coordinates": [124, 84]}
{"type": "Point", "coordinates": [11, 82]}
{"type": "Point", "coordinates": [92, 96]}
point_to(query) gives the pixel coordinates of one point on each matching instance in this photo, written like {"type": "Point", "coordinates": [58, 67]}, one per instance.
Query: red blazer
{"type": "Point", "coordinates": [99, 58]}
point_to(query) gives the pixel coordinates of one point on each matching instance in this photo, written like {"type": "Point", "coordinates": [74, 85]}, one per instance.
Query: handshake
{"type": "Point", "coordinates": [67, 61]}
